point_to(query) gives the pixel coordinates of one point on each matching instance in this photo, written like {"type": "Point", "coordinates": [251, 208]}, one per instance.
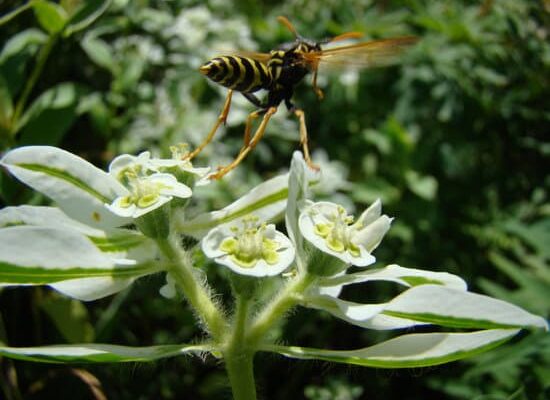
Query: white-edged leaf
{"type": "Point", "coordinates": [32, 255]}
{"type": "Point", "coordinates": [79, 188]}
{"type": "Point", "coordinates": [51, 217]}
{"type": "Point", "coordinates": [406, 351]}
{"type": "Point", "coordinates": [364, 315]}
{"type": "Point", "coordinates": [127, 246]}
{"type": "Point", "coordinates": [90, 289]}
{"type": "Point", "coordinates": [395, 273]}
{"type": "Point", "coordinates": [300, 176]}
{"type": "Point", "coordinates": [446, 306]}
{"type": "Point", "coordinates": [266, 201]}
{"type": "Point", "coordinates": [99, 353]}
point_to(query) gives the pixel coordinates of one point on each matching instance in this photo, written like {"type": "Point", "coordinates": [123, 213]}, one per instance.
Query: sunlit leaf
{"type": "Point", "coordinates": [79, 188]}
{"type": "Point", "coordinates": [456, 308]}
{"type": "Point", "coordinates": [100, 353]}
{"type": "Point", "coordinates": [395, 273]}
{"type": "Point", "coordinates": [51, 16]}
{"type": "Point", "coordinates": [32, 255]}
{"type": "Point", "coordinates": [265, 201]}
{"type": "Point", "coordinates": [407, 351]}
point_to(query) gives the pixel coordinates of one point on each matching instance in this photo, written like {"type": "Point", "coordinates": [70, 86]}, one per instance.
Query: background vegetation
{"type": "Point", "coordinates": [454, 141]}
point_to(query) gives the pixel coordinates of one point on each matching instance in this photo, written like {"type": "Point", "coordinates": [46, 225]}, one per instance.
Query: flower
{"type": "Point", "coordinates": [255, 249]}
{"type": "Point", "coordinates": [329, 228]}
{"type": "Point", "coordinates": [143, 164]}
{"type": "Point", "coordinates": [147, 193]}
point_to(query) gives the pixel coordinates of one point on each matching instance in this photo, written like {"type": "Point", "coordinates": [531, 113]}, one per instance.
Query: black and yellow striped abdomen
{"type": "Point", "coordinates": [242, 74]}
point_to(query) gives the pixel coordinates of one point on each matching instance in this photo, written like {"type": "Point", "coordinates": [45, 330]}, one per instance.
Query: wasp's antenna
{"type": "Point", "coordinates": [344, 36]}
{"type": "Point", "coordinates": [284, 20]}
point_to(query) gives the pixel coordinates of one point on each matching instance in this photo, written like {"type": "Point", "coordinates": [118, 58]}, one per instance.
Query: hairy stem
{"type": "Point", "coordinates": [239, 357]}
{"type": "Point", "coordinates": [197, 293]}
{"type": "Point", "coordinates": [274, 311]}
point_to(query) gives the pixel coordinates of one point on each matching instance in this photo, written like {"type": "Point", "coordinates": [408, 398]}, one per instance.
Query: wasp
{"type": "Point", "coordinates": [279, 71]}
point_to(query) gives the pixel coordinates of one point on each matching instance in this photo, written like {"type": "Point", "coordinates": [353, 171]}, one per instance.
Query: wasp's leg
{"type": "Point", "coordinates": [303, 138]}
{"type": "Point", "coordinates": [248, 127]}
{"type": "Point", "coordinates": [221, 120]}
{"type": "Point", "coordinates": [252, 143]}
{"type": "Point", "coordinates": [254, 100]}
{"type": "Point", "coordinates": [316, 88]}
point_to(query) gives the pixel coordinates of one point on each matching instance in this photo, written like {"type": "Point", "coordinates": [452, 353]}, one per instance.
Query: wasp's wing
{"type": "Point", "coordinates": [376, 53]}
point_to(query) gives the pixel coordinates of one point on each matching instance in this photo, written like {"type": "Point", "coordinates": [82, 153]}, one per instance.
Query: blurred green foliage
{"type": "Point", "coordinates": [454, 141]}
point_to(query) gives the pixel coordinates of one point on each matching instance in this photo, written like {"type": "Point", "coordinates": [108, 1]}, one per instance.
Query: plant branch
{"type": "Point", "coordinates": [274, 311]}
{"type": "Point", "coordinates": [31, 82]}
{"type": "Point", "coordinates": [239, 356]}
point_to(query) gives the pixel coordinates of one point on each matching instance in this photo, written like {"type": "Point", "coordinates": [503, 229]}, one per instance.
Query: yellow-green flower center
{"type": "Point", "coordinates": [144, 193]}
{"type": "Point", "coordinates": [337, 232]}
{"type": "Point", "coordinates": [250, 245]}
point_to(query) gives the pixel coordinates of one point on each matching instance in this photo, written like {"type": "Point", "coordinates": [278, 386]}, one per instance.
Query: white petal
{"type": "Point", "coordinates": [121, 162]}
{"type": "Point", "coordinates": [139, 211]}
{"type": "Point", "coordinates": [116, 208]}
{"type": "Point", "coordinates": [211, 242]}
{"type": "Point", "coordinates": [370, 214]}
{"type": "Point", "coordinates": [168, 291]}
{"type": "Point", "coordinates": [371, 236]}
{"type": "Point", "coordinates": [364, 260]}
{"type": "Point", "coordinates": [178, 190]}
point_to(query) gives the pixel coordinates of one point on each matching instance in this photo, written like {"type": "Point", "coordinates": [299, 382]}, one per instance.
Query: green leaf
{"type": "Point", "coordinates": [70, 317]}
{"type": "Point", "coordinates": [86, 14]}
{"type": "Point", "coordinates": [56, 108]}
{"type": "Point", "coordinates": [99, 52]}
{"type": "Point", "coordinates": [12, 14]}
{"type": "Point", "coordinates": [58, 121]}
{"type": "Point", "coordinates": [407, 351]}
{"type": "Point", "coordinates": [423, 186]}
{"type": "Point", "coordinates": [6, 108]}
{"type": "Point", "coordinates": [79, 188]}
{"type": "Point", "coordinates": [100, 353]}
{"type": "Point", "coordinates": [51, 16]}
{"type": "Point", "coordinates": [16, 53]}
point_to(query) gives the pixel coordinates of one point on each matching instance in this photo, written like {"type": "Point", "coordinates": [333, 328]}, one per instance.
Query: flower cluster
{"type": "Point", "coordinates": [152, 182]}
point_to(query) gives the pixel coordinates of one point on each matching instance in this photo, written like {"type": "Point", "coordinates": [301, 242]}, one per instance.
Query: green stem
{"type": "Point", "coordinates": [197, 294]}
{"type": "Point", "coordinates": [31, 82]}
{"type": "Point", "coordinates": [274, 311]}
{"type": "Point", "coordinates": [9, 16]}
{"type": "Point", "coordinates": [239, 357]}
{"type": "Point", "coordinates": [240, 368]}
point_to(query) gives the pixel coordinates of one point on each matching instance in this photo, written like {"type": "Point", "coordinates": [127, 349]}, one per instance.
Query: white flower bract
{"type": "Point", "coordinates": [329, 228]}
{"type": "Point", "coordinates": [252, 249]}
